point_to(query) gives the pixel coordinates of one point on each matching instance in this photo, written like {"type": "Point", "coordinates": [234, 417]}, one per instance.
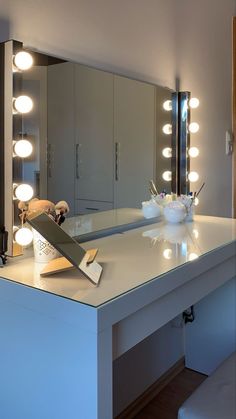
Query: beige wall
{"type": "Point", "coordinates": [156, 40]}
{"type": "Point", "coordinates": [204, 68]}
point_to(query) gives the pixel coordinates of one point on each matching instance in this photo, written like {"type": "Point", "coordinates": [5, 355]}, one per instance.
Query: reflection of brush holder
{"type": "Point", "coordinates": [151, 209]}
{"type": "Point", "coordinates": [43, 250]}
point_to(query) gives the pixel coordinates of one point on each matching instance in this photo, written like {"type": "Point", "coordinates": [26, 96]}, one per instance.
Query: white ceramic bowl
{"type": "Point", "coordinates": [151, 209]}
{"type": "Point", "coordinates": [174, 212]}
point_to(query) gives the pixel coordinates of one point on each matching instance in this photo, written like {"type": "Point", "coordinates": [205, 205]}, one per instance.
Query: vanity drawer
{"type": "Point", "coordinates": [83, 206]}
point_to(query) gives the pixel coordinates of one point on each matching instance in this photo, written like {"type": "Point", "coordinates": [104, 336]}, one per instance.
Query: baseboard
{"type": "Point", "coordinates": [138, 404]}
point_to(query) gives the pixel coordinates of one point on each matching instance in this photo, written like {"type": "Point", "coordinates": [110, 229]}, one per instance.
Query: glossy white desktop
{"type": "Point", "coordinates": [62, 333]}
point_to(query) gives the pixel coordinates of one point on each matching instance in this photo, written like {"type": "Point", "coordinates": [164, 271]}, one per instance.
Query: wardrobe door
{"type": "Point", "coordinates": [94, 134]}
{"type": "Point", "coordinates": [61, 134]}
{"type": "Point", "coordinates": [134, 140]}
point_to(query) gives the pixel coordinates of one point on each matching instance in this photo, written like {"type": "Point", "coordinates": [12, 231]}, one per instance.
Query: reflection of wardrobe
{"type": "Point", "coordinates": [109, 149]}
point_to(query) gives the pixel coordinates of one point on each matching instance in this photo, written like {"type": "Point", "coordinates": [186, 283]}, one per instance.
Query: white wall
{"type": "Point", "coordinates": [204, 68]}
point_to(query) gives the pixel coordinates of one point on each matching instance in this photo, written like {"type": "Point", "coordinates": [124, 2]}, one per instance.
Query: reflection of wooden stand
{"type": "Point", "coordinates": [62, 264]}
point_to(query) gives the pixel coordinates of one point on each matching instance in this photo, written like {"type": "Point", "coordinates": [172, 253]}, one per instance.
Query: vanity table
{"type": "Point", "coordinates": [60, 334]}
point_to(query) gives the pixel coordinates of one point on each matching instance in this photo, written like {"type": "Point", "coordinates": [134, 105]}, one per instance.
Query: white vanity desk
{"type": "Point", "coordinates": [56, 353]}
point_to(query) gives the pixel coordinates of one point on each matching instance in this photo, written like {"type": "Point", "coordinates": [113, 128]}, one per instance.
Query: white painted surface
{"type": "Point", "coordinates": [215, 321]}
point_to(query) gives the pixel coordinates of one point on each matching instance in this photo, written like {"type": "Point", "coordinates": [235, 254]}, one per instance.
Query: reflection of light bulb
{"type": "Point", "coordinates": [195, 233]}
{"type": "Point", "coordinates": [196, 201]}
{"type": "Point", "coordinates": [24, 192]}
{"type": "Point", "coordinates": [23, 236]}
{"type": "Point", "coordinates": [23, 60]}
{"type": "Point", "coordinates": [194, 102]}
{"type": "Point", "coordinates": [193, 127]}
{"type": "Point", "coordinates": [23, 148]}
{"type": "Point", "coordinates": [23, 104]}
{"type": "Point", "coordinates": [167, 253]}
{"type": "Point", "coordinates": [167, 105]}
{"type": "Point", "coordinates": [192, 256]}
{"type": "Point", "coordinates": [167, 176]}
{"type": "Point", "coordinates": [167, 129]}
{"type": "Point", "coordinates": [167, 152]}
{"type": "Point", "coordinates": [193, 152]}
{"type": "Point", "coordinates": [193, 176]}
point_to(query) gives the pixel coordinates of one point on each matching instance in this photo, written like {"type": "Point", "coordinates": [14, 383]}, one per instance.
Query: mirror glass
{"type": "Point", "coordinates": [98, 137]}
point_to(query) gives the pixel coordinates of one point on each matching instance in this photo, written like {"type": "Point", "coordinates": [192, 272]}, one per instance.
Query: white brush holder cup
{"type": "Point", "coordinates": [43, 250]}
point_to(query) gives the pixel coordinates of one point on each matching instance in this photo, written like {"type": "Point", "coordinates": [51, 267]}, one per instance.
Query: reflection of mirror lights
{"type": "Point", "coordinates": [23, 148]}
{"type": "Point", "coordinates": [195, 233]}
{"type": "Point", "coordinates": [196, 201]}
{"type": "Point", "coordinates": [194, 103]}
{"type": "Point", "coordinates": [193, 176]}
{"type": "Point", "coordinates": [167, 105]}
{"type": "Point", "coordinates": [167, 152]}
{"type": "Point", "coordinates": [23, 104]}
{"type": "Point", "coordinates": [167, 176]}
{"type": "Point", "coordinates": [23, 60]}
{"type": "Point", "coordinates": [167, 253]}
{"type": "Point", "coordinates": [192, 256]}
{"type": "Point", "coordinates": [167, 129]}
{"type": "Point", "coordinates": [193, 152]}
{"type": "Point", "coordinates": [193, 127]}
{"type": "Point", "coordinates": [24, 192]}
{"type": "Point", "coordinates": [23, 236]}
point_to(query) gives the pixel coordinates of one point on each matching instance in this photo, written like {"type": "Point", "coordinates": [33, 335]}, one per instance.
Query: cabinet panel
{"type": "Point", "coordinates": [134, 112]}
{"type": "Point", "coordinates": [94, 134]}
{"type": "Point", "coordinates": [61, 133]}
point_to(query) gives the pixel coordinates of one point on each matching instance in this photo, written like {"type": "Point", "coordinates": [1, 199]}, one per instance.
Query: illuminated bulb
{"type": "Point", "coordinates": [23, 104]}
{"type": "Point", "coordinates": [167, 105]}
{"type": "Point", "coordinates": [194, 103]}
{"type": "Point", "coordinates": [196, 201]}
{"type": "Point", "coordinates": [167, 253]}
{"type": "Point", "coordinates": [23, 236]}
{"type": "Point", "coordinates": [167, 176]}
{"type": "Point", "coordinates": [167, 129]}
{"type": "Point", "coordinates": [193, 176]}
{"type": "Point", "coordinates": [167, 152]}
{"type": "Point", "coordinates": [24, 192]}
{"type": "Point", "coordinates": [193, 152]}
{"type": "Point", "coordinates": [23, 60]}
{"type": "Point", "coordinates": [23, 148]}
{"type": "Point", "coordinates": [193, 127]}
{"type": "Point", "coordinates": [192, 256]}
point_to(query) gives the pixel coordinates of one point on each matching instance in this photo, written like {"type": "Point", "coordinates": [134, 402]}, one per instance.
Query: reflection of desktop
{"type": "Point", "coordinates": [73, 254]}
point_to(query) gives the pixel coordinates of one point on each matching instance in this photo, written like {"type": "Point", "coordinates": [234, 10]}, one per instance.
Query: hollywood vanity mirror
{"type": "Point", "coordinates": [97, 137]}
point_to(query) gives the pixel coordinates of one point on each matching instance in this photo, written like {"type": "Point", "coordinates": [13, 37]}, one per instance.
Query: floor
{"type": "Point", "coordinates": [166, 404]}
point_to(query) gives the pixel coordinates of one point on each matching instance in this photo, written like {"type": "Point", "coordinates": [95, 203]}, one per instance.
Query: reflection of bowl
{"type": "Point", "coordinates": [151, 209]}
{"type": "Point", "coordinates": [174, 212]}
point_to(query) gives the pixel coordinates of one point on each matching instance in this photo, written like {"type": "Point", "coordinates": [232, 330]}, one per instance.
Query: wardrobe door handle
{"type": "Point", "coordinates": [77, 161]}
{"type": "Point", "coordinates": [117, 168]}
{"type": "Point", "coordinates": [49, 160]}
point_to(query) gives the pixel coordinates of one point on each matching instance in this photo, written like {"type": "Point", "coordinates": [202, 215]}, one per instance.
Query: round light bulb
{"type": "Point", "coordinates": [23, 148]}
{"type": "Point", "coordinates": [167, 129]}
{"type": "Point", "coordinates": [23, 104]}
{"type": "Point", "coordinates": [193, 176]}
{"type": "Point", "coordinates": [167, 176]}
{"type": "Point", "coordinates": [167, 105]}
{"type": "Point", "coordinates": [167, 152]}
{"type": "Point", "coordinates": [23, 236]}
{"type": "Point", "coordinates": [167, 253]}
{"type": "Point", "coordinates": [196, 201]}
{"type": "Point", "coordinates": [192, 256]}
{"type": "Point", "coordinates": [23, 60]}
{"type": "Point", "coordinates": [194, 102]}
{"type": "Point", "coordinates": [24, 192]}
{"type": "Point", "coordinates": [193, 127]}
{"type": "Point", "coordinates": [193, 152]}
